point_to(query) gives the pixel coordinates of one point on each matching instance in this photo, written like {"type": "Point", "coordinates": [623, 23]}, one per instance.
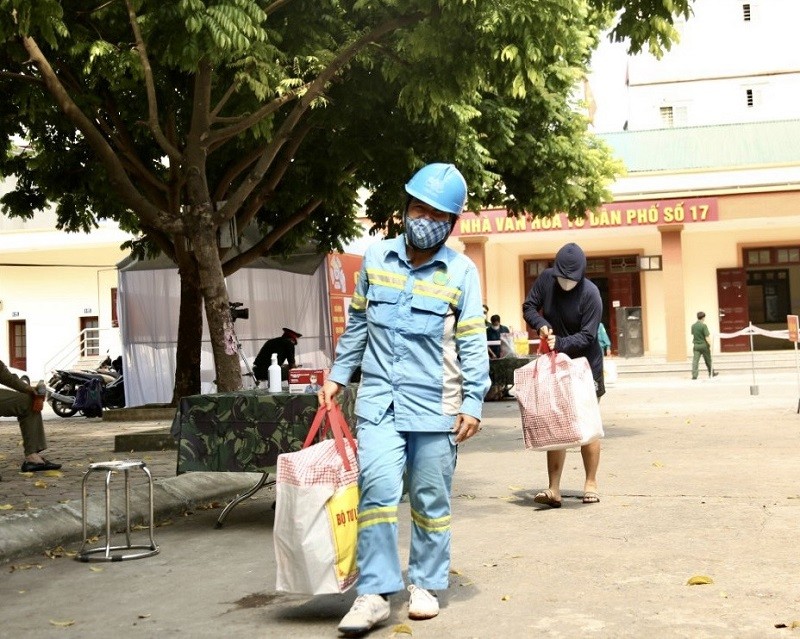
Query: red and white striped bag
{"type": "Point", "coordinates": [316, 511]}
{"type": "Point", "coordinates": [558, 401]}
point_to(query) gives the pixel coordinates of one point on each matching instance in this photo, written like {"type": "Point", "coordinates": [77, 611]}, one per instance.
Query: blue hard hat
{"type": "Point", "coordinates": [441, 186]}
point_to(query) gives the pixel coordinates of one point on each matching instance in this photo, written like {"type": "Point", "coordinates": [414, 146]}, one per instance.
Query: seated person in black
{"type": "Point", "coordinates": [493, 334]}
{"type": "Point", "coordinates": [283, 346]}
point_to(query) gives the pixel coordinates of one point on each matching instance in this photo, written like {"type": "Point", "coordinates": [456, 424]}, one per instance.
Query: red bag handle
{"type": "Point", "coordinates": [335, 423]}
{"type": "Point", "coordinates": [544, 349]}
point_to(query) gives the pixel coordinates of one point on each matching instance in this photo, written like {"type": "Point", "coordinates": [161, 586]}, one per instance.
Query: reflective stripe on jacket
{"type": "Point", "coordinates": [419, 336]}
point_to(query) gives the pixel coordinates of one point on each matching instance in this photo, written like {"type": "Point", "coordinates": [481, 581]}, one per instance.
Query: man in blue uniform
{"type": "Point", "coordinates": [565, 308]}
{"type": "Point", "coordinates": [416, 327]}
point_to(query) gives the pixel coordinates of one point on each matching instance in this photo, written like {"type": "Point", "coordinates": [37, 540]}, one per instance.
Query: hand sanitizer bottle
{"type": "Point", "coordinates": [274, 375]}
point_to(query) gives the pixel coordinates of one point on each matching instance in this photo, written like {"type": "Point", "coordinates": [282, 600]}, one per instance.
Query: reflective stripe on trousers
{"type": "Point", "coordinates": [429, 460]}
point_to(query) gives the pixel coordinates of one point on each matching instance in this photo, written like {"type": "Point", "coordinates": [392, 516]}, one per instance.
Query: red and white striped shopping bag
{"type": "Point", "coordinates": [558, 402]}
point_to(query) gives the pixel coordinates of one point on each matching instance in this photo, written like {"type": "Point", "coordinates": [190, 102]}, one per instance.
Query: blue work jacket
{"type": "Point", "coordinates": [418, 335]}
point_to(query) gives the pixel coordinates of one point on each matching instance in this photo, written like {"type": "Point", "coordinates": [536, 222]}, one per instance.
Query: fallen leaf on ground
{"type": "Point", "coordinates": [658, 464]}
{"type": "Point", "coordinates": [401, 629]}
{"type": "Point", "coordinates": [6, 507]}
{"type": "Point", "coordinates": [40, 484]}
{"type": "Point", "coordinates": [144, 616]}
{"type": "Point", "coordinates": [516, 488]}
{"type": "Point", "coordinates": [505, 597]}
{"type": "Point", "coordinates": [795, 624]}
{"type": "Point", "coordinates": [699, 580]}
{"type": "Point", "coordinates": [27, 474]}
{"type": "Point", "coordinates": [23, 567]}
{"type": "Point", "coordinates": [53, 473]}
{"type": "Point", "coordinates": [62, 624]}
{"type": "Point", "coordinates": [96, 568]}
{"type": "Point", "coordinates": [453, 571]}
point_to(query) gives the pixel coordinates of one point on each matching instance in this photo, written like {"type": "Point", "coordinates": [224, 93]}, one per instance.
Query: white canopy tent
{"type": "Point", "coordinates": [278, 293]}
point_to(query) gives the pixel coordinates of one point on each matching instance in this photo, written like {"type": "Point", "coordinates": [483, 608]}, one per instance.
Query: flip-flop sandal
{"type": "Point", "coordinates": [546, 497]}
{"type": "Point", "coordinates": [591, 498]}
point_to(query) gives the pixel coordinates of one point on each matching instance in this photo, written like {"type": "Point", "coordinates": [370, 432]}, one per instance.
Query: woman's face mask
{"type": "Point", "coordinates": [424, 233]}
{"type": "Point", "coordinates": [566, 284]}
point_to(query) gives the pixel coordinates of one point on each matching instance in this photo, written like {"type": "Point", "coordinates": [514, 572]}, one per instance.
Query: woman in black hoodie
{"type": "Point", "coordinates": [565, 309]}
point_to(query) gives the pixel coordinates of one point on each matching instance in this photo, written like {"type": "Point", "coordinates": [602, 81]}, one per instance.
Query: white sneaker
{"type": "Point", "coordinates": [423, 604]}
{"type": "Point", "coordinates": [366, 612]}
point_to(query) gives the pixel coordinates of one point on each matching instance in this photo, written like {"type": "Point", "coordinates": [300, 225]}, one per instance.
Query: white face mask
{"type": "Point", "coordinates": [566, 284]}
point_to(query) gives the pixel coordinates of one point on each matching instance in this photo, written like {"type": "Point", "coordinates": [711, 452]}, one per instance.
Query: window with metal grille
{"type": "Point", "coordinates": [746, 12]}
{"type": "Point", "coordinates": [750, 99]}
{"type": "Point", "coordinates": [672, 116]}
{"type": "Point", "coordinates": [667, 116]}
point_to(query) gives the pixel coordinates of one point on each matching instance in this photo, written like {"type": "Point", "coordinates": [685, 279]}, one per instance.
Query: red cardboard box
{"type": "Point", "coordinates": [306, 380]}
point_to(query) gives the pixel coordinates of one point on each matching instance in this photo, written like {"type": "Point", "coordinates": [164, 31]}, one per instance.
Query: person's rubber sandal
{"type": "Point", "coordinates": [591, 498]}
{"type": "Point", "coordinates": [546, 497]}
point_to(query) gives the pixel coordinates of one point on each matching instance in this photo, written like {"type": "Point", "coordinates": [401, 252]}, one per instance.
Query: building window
{"type": "Point", "coordinates": [746, 12]}
{"type": "Point", "coordinates": [595, 266]}
{"type": "Point", "coordinates": [789, 255]}
{"type": "Point", "coordinates": [768, 294]}
{"type": "Point", "coordinates": [672, 116]}
{"type": "Point", "coordinates": [650, 263]}
{"type": "Point", "coordinates": [750, 101]}
{"type": "Point", "coordinates": [757, 257]}
{"type": "Point", "coordinates": [772, 257]}
{"type": "Point", "coordinates": [623, 264]}
{"type": "Point", "coordinates": [535, 267]}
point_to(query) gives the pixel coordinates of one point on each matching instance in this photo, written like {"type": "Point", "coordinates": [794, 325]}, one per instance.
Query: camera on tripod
{"type": "Point", "coordinates": [237, 312]}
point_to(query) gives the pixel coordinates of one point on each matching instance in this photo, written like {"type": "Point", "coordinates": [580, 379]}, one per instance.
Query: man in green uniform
{"type": "Point", "coordinates": [701, 343]}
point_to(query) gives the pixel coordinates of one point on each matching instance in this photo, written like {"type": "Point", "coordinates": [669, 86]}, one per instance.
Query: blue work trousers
{"type": "Point", "coordinates": [429, 460]}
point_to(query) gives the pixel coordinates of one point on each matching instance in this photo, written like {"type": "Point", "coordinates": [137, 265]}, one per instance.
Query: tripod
{"type": "Point", "coordinates": [238, 345]}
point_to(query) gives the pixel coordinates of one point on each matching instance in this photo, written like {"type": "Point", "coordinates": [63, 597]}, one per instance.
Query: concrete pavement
{"type": "Point", "coordinates": [696, 478]}
{"type": "Point", "coordinates": [39, 511]}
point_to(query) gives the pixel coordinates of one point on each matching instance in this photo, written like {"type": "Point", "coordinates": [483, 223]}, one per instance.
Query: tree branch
{"type": "Point", "coordinates": [315, 89]}
{"type": "Point", "coordinates": [235, 171]}
{"type": "Point", "coordinates": [152, 102]}
{"type": "Point", "coordinates": [22, 77]}
{"type": "Point", "coordinates": [223, 101]}
{"type": "Point", "coordinates": [269, 240]}
{"type": "Point", "coordinates": [218, 137]}
{"type": "Point", "coordinates": [149, 213]}
{"type": "Point", "coordinates": [278, 4]}
{"type": "Point", "coordinates": [248, 212]}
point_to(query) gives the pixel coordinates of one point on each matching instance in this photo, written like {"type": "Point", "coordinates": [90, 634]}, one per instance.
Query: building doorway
{"type": "Point", "coordinates": [90, 336]}
{"type": "Point", "coordinates": [17, 344]}
{"type": "Point", "coordinates": [616, 277]}
{"type": "Point", "coordinates": [760, 293]}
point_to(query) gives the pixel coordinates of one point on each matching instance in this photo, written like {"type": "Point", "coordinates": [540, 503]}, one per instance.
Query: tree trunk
{"type": "Point", "coordinates": [212, 285]}
{"type": "Point", "coordinates": [190, 333]}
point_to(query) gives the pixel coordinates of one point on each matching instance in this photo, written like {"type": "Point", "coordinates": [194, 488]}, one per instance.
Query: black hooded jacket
{"type": "Point", "coordinates": [573, 315]}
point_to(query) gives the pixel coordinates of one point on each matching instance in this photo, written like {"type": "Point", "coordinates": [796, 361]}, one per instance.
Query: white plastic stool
{"type": "Point", "coordinates": [91, 554]}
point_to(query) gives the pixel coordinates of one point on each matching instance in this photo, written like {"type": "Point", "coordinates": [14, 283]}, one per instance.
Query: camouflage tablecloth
{"type": "Point", "coordinates": [245, 431]}
{"type": "Point", "coordinates": [501, 372]}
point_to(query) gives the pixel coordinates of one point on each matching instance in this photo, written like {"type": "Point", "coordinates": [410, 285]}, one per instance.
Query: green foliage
{"type": "Point", "coordinates": [483, 84]}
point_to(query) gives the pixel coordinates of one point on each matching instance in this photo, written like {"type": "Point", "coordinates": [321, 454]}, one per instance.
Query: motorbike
{"type": "Point", "coordinates": [64, 384]}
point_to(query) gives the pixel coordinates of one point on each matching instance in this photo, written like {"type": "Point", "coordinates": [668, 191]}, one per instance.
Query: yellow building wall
{"type": "Point", "coordinates": [745, 221]}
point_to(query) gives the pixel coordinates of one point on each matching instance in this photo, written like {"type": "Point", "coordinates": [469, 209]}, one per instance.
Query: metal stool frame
{"type": "Point", "coordinates": [91, 554]}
